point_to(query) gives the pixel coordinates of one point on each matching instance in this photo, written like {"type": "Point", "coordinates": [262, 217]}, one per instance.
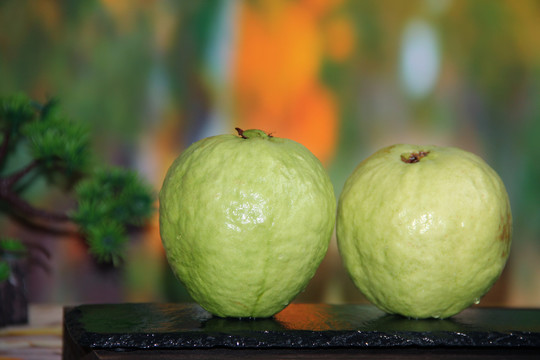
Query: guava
{"type": "Point", "coordinates": [245, 221]}
{"type": "Point", "coordinates": [424, 231]}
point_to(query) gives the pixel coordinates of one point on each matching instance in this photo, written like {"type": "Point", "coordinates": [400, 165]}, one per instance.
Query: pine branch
{"type": "Point", "coordinates": [29, 210]}
{"type": "Point", "coordinates": [108, 201]}
{"type": "Point", "coordinates": [5, 145]}
{"type": "Point", "coordinates": [12, 179]}
{"type": "Point", "coordinates": [8, 194]}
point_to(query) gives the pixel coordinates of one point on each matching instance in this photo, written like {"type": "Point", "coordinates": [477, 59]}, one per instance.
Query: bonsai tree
{"type": "Point", "coordinates": [108, 200]}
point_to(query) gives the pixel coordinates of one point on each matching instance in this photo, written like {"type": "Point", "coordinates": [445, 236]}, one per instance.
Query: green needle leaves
{"type": "Point", "coordinates": [15, 110]}
{"type": "Point", "coordinates": [58, 142]}
{"type": "Point", "coordinates": [110, 202]}
{"type": "Point", "coordinates": [10, 249]}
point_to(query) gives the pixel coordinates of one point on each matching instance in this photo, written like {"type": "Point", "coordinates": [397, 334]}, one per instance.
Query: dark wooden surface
{"type": "Point", "coordinates": [315, 331]}
{"type": "Point", "coordinates": [319, 354]}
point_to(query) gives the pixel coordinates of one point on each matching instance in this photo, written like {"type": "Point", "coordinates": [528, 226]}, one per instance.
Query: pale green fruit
{"type": "Point", "coordinates": [424, 231]}
{"type": "Point", "coordinates": [245, 221]}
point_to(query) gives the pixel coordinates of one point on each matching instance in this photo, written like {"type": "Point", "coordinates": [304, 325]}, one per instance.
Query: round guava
{"type": "Point", "coordinates": [245, 221]}
{"type": "Point", "coordinates": [424, 231]}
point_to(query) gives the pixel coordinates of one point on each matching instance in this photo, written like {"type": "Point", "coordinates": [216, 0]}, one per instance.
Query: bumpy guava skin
{"type": "Point", "coordinates": [424, 231]}
{"type": "Point", "coordinates": [245, 221]}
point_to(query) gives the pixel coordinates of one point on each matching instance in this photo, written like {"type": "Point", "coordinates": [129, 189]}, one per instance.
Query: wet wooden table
{"type": "Point", "coordinates": [314, 331]}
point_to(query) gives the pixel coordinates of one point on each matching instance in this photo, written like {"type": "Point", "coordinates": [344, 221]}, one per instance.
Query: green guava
{"type": "Point", "coordinates": [424, 231]}
{"type": "Point", "coordinates": [245, 221]}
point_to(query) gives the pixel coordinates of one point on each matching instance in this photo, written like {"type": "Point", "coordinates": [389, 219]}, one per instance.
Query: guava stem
{"type": "Point", "coordinates": [240, 132]}
{"type": "Point", "coordinates": [414, 157]}
{"type": "Point", "coordinates": [252, 133]}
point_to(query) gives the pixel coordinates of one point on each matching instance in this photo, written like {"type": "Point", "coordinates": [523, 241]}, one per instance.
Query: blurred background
{"type": "Point", "coordinates": [342, 77]}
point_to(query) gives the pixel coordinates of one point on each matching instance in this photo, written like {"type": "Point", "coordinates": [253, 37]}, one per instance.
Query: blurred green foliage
{"type": "Point", "coordinates": [10, 249]}
{"type": "Point", "coordinates": [108, 200]}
